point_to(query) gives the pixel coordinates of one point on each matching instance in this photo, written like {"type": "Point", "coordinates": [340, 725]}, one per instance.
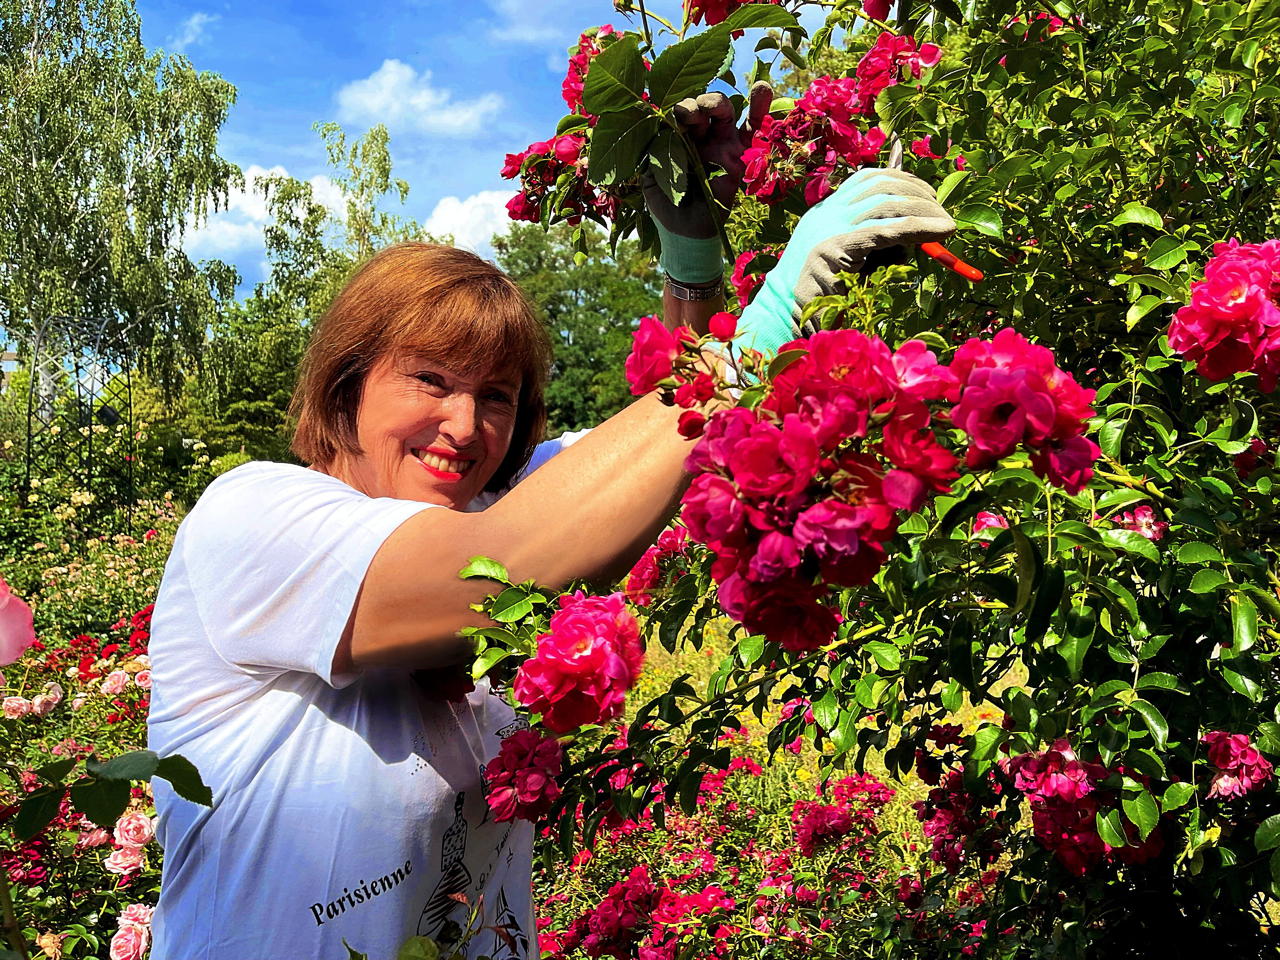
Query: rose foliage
{"type": "Point", "coordinates": [1048, 497]}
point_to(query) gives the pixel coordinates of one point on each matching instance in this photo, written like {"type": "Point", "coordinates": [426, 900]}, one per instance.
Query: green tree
{"type": "Point", "coordinates": [110, 154]}
{"type": "Point", "coordinates": [589, 304]}
{"type": "Point", "coordinates": [238, 404]}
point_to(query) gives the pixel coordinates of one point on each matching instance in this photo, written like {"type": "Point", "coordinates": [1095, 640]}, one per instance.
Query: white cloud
{"type": "Point", "coordinates": [399, 96]}
{"type": "Point", "coordinates": [234, 233]}
{"type": "Point", "coordinates": [472, 222]}
{"type": "Point", "coordinates": [190, 31]}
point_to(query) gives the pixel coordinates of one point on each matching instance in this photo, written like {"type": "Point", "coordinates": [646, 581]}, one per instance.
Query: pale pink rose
{"type": "Point", "coordinates": [54, 691]}
{"type": "Point", "coordinates": [15, 707]}
{"type": "Point", "coordinates": [130, 942]}
{"type": "Point", "coordinates": [115, 683]}
{"type": "Point", "coordinates": [124, 861]}
{"type": "Point", "coordinates": [92, 838]}
{"type": "Point", "coordinates": [138, 913]}
{"type": "Point", "coordinates": [134, 830]}
{"type": "Point", "coordinates": [16, 630]}
{"type": "Point", "coordinates": [143, 679]}
{"type": "Point", "coordinates": [143, 661]}
{"type": "Point", "coordinates": [77, 704]}
{"type": "Point", "coordinates": [42, 705]}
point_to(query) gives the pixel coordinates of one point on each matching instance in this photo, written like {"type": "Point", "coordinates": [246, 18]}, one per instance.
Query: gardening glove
{"type": "Point", "coordinates": [691, 250]}
{"type": "Point", "coordinates": [875, 209]}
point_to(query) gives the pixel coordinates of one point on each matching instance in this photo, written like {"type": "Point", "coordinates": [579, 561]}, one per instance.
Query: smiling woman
{"type": "Point", "coordinates": [421, 323]}
{"type": "Point", "coordinates": [301, 604]}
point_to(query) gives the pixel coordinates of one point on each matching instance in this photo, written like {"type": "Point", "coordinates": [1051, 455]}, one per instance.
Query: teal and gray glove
{"type": "Point", "coordinates": [875, 209]}
{"type": "Point", "coordinates": [691, 250]}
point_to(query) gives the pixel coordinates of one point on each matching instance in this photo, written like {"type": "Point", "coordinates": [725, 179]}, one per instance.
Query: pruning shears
{"type": "Point", "coordinates": [931, 249]}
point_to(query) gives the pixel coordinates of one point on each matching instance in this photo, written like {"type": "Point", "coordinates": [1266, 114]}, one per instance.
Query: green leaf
{"type": "Point", "coordinates": [419, 948]}
{"type": "Point", "coordinates": [686, 69]}
{"type": "Point", "coordinates": [755, 15]}
{"type": "Point", "coordinates": [1269, 738]}
{"type": "Point", "coordinates": [1165, 253]}
{"type": "Point", "coordinates": [36, 811]}
{"type": "Point", "coordinates": [615, 79]}
{"type": "Point", "coordinates": [1137, 213]}
{"type": "Point", "coordinates": [1244, 685]}
{"type": "Point", "coordinates": [1081, 626]}
{"type": "Point", "coordinates": [750, 649]}
{"type": "Point", "coordinates": [352, 953]}
{"type": "Point", "coordinates": [1131, 541]}
{"type": "Point", "coordinates": [1120, 497]}
{"type": "Point", "coordinates": [1139, 309]}
{"type": "Point", "coordinates": [1267, 836]}
{"type": "Point", "coordinates": [949, 184]}
{"type": "Point", "coordinates": [980, 217]}
{"type": "Point", "coordinates": [985, 740]}
{"type": "Point", "coordinates": [826, 711]}
{"type": "Point", "coordinates": [135, 765]}
{"type": "Point", "coordinates": [1199, 553]}
{"type": "Point", "coordinates": [489, 659]}
{"type": "Point", "coordinates": [1028, 566]}
{"type": "Point", "coordinates": [102, 801]}
{"type": "Point", "coordinates": [1157, 681]}
{"type": "Point", "coordinates": [1177, 794]}
{"type": "Point", "coordinates": [618, 144]}
{"type": "Point", "coordinates": [486, 568]}
{"type": "Point", "coordinates": [53, 773]}
{"type": "Point", "coordinates": [1206, 581]}
{"type": "Point", "coordinates": [1142, 811]}
{"type": "Point", "coordinates": [573, 121]}
{"type": "Point", "coordinates": [886, 654]}
{"type": "Point", "coordinates": [1154, 720]}
{"type": "Point", "coordinates": [1109, 828]}
{"type": "Point", "coordinates": [669, 163]}
{"type": "Point", "coordinates": [782, 361]}
{"type": "Point", "coordinates": [1244, 623]}
{"type": "Point", "coordinates": [185, 779]}
{"type": "Point", "coordinates": [511, 605]}
{"type": "Point", "coordinates": [952, 697]}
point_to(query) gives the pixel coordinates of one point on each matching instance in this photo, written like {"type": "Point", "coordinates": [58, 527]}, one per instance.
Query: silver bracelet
{"type": "Point", "coordinates": [695, 293]}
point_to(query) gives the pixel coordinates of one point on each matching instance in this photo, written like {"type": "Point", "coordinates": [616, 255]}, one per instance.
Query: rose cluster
{"type": "Point", "coordinates": [647, 573]}
{"type": "Point", "coordinates": [580, 56]}
{"type": "Point", "coordinates": [1065, 800]}
{"type": "Point", "coordinates": [1240, 768]}
{"type": "Point", "coordinates": [584, 665]}
{"type": "Point", "coordinates": [831, 129]}
{"type": "Point", "coordinates": [807, 485]}
{"type": "Point", "coordinates": [133, 932]}
{"type": "Point", "coordinates": [555, 168]}
{"type": "Point", "coordinates": [521, 779]}
{"type": "Point", "coordinates": [1015, 395]}
{"type": "Point", "coordinates": [961, 821]}
{"type": "Point", "coordinates": [1232, 323]}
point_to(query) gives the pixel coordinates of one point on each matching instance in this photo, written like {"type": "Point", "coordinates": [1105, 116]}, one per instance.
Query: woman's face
{"type": "Point", "coordinates": [430, 433]}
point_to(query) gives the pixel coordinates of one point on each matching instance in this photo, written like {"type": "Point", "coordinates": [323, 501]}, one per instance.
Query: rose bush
{"type": "Point", "coordinates": [1049, 496]}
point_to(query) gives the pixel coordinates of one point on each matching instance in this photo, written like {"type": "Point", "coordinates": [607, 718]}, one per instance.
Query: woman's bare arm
{"type": "Point", "coordinates": [589, 512]}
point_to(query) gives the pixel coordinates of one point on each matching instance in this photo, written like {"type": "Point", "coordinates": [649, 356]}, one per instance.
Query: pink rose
{"type": "Point", "coordinates": [138, 913]}
{"type": "Point", "coordinates": [16, 629]}
{"type": "Point", "coordinates": [92, 838]}
{"type": "Point", "coordinates": [723, 326]}
{"type": "Point", "coordinates": [654, 349]}
{"type": "Point", "coordinates": [877, 9]}
{"type": "Point", "coordinates": [130, 942]}
{"type": "Point", "coordinates": [986, 520]}
{"type": "Point", "coordinates": [15, 707]}
{"type": "Point", "coordinates": [134, 830]}
{"type": "Point", "coordinates": [124, 861]}
{"type": "Point", "coordinates": [1143, 520]}
{"type": "Point", "coordinates": [143, 679]}
{"type": "Point", "coordinates": [43, 705]}
{"type": "Point", "coordinates": [77, 704]}
{"type": "Point", "coordinates": [1241, 767]}
{"type": "Point", "coordinates": [115, 683]}
{"type": "Point", "coordinates": [521, 779]}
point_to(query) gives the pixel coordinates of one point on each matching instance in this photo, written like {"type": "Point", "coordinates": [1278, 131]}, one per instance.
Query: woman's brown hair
{"type": "Point", "coordinates": [441, 303]}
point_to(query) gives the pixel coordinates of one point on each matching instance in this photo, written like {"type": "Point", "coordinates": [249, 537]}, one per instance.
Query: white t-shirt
{"type": "Point", "coordinates": [345, 807]}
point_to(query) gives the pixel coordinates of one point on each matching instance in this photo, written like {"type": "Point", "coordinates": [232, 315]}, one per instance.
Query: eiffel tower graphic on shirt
{"type": "Point", "coordinates": [515, 945]}
{"type": "Point", "coordinates": [455, 878]}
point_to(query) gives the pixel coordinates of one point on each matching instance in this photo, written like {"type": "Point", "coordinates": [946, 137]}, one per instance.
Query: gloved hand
{"type": "Point", "coordinates": [875, 209]}
{"type": "Point", "coordinates": [691, 250]}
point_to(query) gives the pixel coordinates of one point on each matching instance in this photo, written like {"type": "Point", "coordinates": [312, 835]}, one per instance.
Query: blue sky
{"type": "Point", "coordinates": [458, 84]}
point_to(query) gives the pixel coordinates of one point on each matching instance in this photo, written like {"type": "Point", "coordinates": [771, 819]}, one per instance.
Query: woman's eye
{"type": "Point", "coordinates": [500, 396]}
{"type": "Point", "coordinates": [431, 379]}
